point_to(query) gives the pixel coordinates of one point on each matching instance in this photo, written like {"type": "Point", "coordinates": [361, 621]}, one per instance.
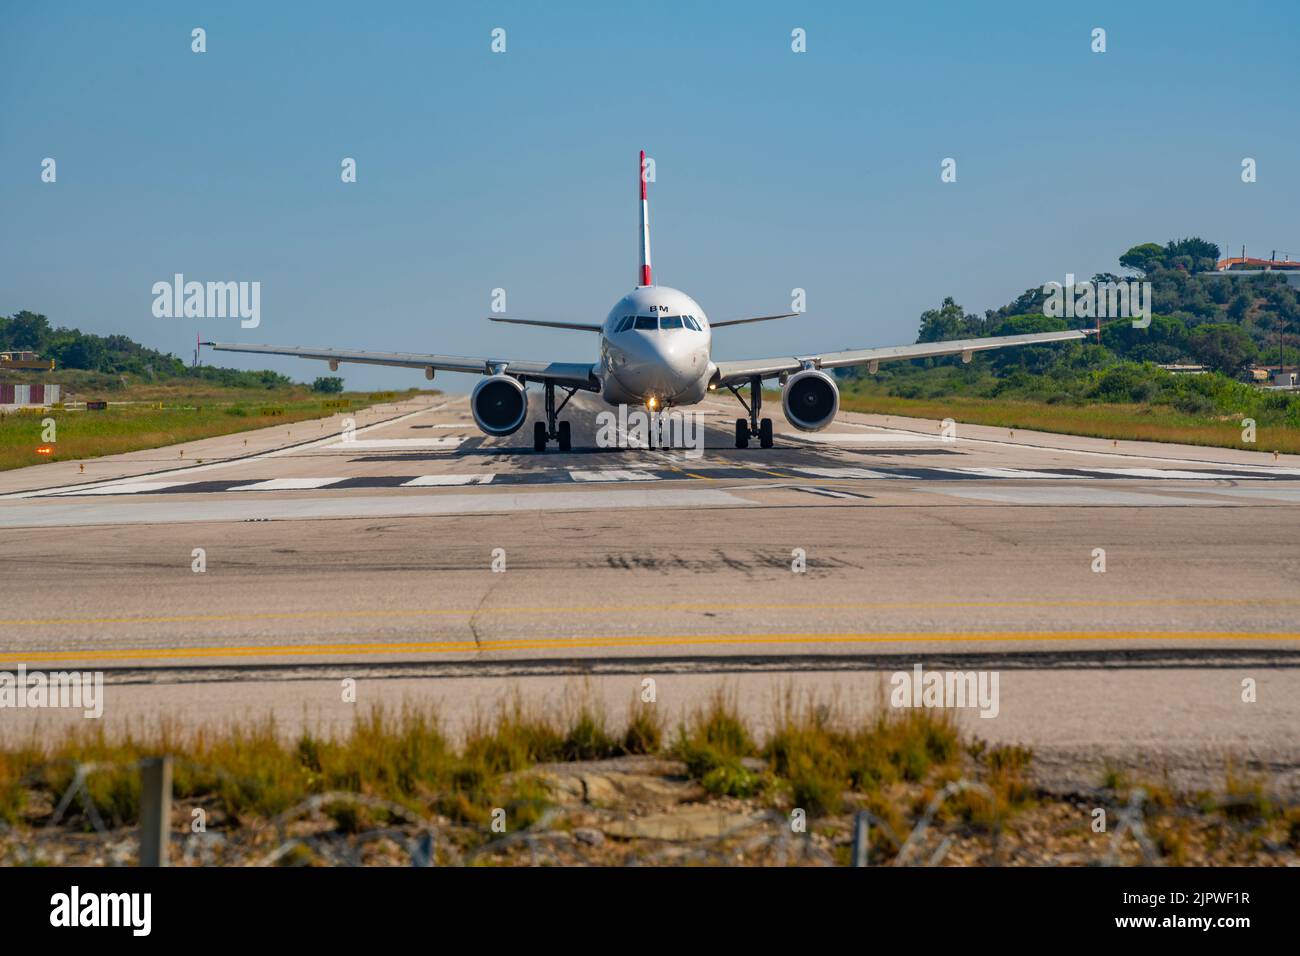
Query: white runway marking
{"type": "Point", "coordinates": [613, 474]}
{"type": "Point", "coordinates": [1013, 473]}
{"type": "Point", "coordinates": [824, 492]}
{"type": "Point", "coordinates": [131, 488]}
{"type": "Point", "coordinates": [1031, 495]}
{"type": "Point", "coordinates": [286, 484]}
{"type": "Point", "coordinates": [844, 438]}
{"type": "Point", "coordinates": [48, 514]}
{"type": "Point", "coordinates": [1176, 473]}
{"type": "Point", "coordinates": [450, 441]}
{"type": "Point", "coordinates": [443, 481]}
{"type": "Point", "coordinates": [843, 473]}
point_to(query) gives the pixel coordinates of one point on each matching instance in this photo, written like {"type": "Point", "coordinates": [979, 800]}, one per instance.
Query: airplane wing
{"type": "Point", "coordinates": [573, 374]}
{"type": "Point", "coordinates": [575, 326]}
{"type": "Point", "coordinates": [757, 318]}
{"type": "Point", "coordinates": [730, 373]}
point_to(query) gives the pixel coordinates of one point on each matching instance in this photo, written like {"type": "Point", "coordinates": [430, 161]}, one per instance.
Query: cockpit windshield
{"type": "Point", "coordinates": [652, 323]}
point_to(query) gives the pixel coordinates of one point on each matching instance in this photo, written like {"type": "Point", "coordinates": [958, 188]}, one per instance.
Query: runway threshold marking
{"type": "Point", "coordinates": [287, 484]}
{"type": "Point", "coordinates": [131, 488]}
{"type": "Point", "coordinates": [860, 473]}
{"type": "Point", "coordinates": [437, 481]}
{"type": "Point", "coordinates": [720, 469]}
{"type": "Point", "coordinates": [647, 609]}
{"type": "Point", "coordinates": [612, 474]}
{"type": "Point", "coordinates": [456, 647]}
{"type": "Point", "coordinates": [824, 492]}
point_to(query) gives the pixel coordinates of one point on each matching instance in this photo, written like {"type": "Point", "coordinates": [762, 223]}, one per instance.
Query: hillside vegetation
{"type": "Point", "coordinates": [1114, 388]}
{"type": "Point", "coordinates": [154, 399]}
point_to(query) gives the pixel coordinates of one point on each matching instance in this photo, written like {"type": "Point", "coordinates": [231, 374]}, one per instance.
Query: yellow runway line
{"type": "Point", "coordinates": [643, 609]}
{"type": "Point", "coordinates": [697, 640]}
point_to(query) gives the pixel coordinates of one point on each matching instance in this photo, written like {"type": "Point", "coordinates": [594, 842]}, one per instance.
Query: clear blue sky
{"type": "Point", "coordinates": [774, 170]}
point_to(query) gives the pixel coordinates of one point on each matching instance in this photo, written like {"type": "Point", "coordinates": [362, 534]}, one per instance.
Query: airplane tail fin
{"type": "Point", "coordinates": [645, 228]}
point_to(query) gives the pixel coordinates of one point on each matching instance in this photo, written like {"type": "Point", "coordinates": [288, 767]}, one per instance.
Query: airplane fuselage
{"type": "Point", "coordinates": [654, 349]}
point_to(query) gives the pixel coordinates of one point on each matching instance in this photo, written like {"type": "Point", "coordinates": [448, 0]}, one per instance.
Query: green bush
{"type": "Point", "coordinates": [328, 385]}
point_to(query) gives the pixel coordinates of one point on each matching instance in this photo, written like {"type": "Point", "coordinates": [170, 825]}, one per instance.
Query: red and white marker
{"type": "Point", "coordinates": [645, 228]}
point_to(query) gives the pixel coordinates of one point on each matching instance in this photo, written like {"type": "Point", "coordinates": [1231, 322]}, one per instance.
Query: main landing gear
{"type": "Point", "coordinates": [544, 431]}
{"type": "Point", "coordinates": [753, 427]}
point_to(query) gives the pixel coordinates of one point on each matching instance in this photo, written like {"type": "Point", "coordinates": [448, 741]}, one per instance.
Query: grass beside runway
{"type": "Point", "coordinates": [404, 755]}
{"type": "Point", "coordinates": [153, 419]}
{"type": "Point", "coordinates": [1119, 422]}
{"type": "Point", "coordinates": [676, 794]}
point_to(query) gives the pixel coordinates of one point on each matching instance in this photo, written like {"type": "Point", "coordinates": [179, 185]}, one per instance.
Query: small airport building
{"type": "Point", "coordinates": [21, 395]}
{"type": "Point", "coordinates": [29, 394]}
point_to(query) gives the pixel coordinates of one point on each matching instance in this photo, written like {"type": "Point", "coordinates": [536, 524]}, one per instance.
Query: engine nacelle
{"type": "Point", "coordinates": [810, 400]}
{"type": "Point", "coordinates": [499, 404]}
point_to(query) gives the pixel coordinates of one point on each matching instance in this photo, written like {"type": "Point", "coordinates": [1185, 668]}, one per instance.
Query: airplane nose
{"type": "Point", "coordinates": [660, 364]}
{"type": "Point", "coordinates": [676, 355]}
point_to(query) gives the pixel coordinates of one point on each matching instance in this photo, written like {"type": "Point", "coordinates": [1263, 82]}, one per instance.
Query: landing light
{"type": "Point", "coordinates": [45, 450]}
{"type": "Point", "coordinates": [652, 403]}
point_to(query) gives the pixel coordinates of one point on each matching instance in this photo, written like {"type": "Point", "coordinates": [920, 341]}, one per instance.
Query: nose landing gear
{"type": "Point", "coordinates": [753, 427]}
{"type": "Point", "coordinates": [551, 428]}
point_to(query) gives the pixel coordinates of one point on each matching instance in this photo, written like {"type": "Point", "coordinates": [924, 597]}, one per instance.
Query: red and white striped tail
{"type": "Point", "coordinates": [645, 227]}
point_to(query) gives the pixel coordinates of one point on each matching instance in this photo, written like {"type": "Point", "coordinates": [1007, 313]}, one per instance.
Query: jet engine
{"type": "Point", "coordinates": [499, 404]}
{"type": "Point", "coordinates": [810, 400]}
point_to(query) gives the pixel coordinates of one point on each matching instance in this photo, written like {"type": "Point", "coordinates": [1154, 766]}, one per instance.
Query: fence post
{"type": "Point", "coordinates": [425, 852]}
{"type": "Point", "coordinates": [155, 810]}
{"type": "Point", "coordinates": [860, 833]}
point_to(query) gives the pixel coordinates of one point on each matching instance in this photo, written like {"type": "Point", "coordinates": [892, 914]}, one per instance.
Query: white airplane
{"type": "Point", "coordinates": [655, 350]}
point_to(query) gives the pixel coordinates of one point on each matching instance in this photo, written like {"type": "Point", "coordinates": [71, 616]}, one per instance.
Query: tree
{"type": "Point", "coordinates": [1223, 347]}
{"type": "Point", "coordinates": [1143, 258]}
{"type": "Point", "coordinates": [79, 351]}
{"type": "Point", "coordinates": [1187, 255]}
{"type": "Point", "coordinates": [947, 322]}
{"type": "Point", "coordinates": [1034, 359]}
{"type": "Point", "coordinates": [1164, 341]}
{"type": "Point", "coordinates": [1202, 256]}
{"type": "Point", "coordinates": [27, 330]}
{"type": "Point", "coordinates": [1239, 306]}
{"type": "Point", "coordinates": [1029, 302]}
{"type": "Point", "coordinates": [328, 384]}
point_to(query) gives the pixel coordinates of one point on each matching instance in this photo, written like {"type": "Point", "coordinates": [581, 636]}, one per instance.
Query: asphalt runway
{"type": "Point", "coordinates": [372, 559]}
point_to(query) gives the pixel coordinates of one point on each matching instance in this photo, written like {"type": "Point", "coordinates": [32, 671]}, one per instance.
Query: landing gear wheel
{"type": "Point", "coordinates": [539, 436]}
{"type": "Point", "coordinates": [742, 433]}
{"type": "Point", "coordinates": [765, 433]}
{"type": "Point", "coordinates": [565, 443]}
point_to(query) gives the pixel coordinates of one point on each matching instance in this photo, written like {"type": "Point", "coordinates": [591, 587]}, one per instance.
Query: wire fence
{"type": "Point", "coordinates": [336, 829]}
